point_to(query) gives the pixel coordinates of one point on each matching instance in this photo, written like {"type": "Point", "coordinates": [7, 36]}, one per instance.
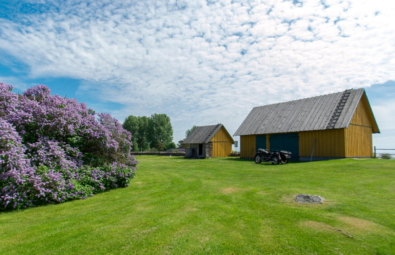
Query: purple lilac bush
{"type": "Point", "coordinates": [54, 149]}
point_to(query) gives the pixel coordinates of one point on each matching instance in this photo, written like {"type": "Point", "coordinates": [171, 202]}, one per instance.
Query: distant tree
{"type": "Point", "coordinates": [138, 126]}
{"type": "Point", "coordinates": [180, 145]}
{"type": "Point", "coordinates": [149, 132]}
{"type": "Point", "coordinates": [160, 146]}
{"type": "Point", "coordinates": [170, 145]}
{"type": "Point", "coordinates": [145, 145]}
{"type": "Point", "coordinates": [144, 123]}
{"type": "Point", "coordinates": [189, 131]}
{"type": "Point", "coordinates": [131, 124]}
{"type": "Point", "coordinates": [135, 145]}
{"type": "Point", "coordinates": [160, 130]}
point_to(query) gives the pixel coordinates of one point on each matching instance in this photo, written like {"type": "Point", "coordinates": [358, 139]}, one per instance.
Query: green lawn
{"type": "Point", "coordinates": [220, 206]}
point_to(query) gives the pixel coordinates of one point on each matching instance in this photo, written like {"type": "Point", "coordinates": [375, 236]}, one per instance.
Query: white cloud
{"type": "Point", "coordinates": [384, 114]}
{"type": "Point", "coordinates": [207, 62]}
{"type": "Point", "coordinates": [18, 84]}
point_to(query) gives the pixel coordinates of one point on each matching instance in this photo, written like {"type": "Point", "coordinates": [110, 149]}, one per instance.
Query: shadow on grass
{"type": "Point", "coordinates": [237, 159]}
{"type": "Point", "coordinates": [252, 160]}
{"type": "Point", "coordinates": [234, 159]}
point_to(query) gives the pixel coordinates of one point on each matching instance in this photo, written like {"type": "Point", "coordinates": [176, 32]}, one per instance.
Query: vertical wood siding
{"type": "Point", "coordinates": [362, 114]}
{"type": "Point", "coordinates": [222, 144]}
{"type": "Point", "coordinates": [247, 146]}
{"type": "Point", "coordinates": [221, 136]}
{"type": "Point", "coordinates": [359, 133]}
{"type": "Point", "coordinates": [221, 149]}
{"type": "Point", "coordinates": [359, 141]}
{"type": "Point", "coordinates": [329, 143]}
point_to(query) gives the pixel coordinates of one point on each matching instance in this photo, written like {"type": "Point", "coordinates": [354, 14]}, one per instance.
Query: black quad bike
{"type": "Point", "coordinates": [275, 157]}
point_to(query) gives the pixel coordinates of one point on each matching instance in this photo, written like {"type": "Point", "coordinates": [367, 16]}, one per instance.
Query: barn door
{"type": "Point", "coordinates": [287, 142]}
{"type": "Point", "coordinates": [260, 142]}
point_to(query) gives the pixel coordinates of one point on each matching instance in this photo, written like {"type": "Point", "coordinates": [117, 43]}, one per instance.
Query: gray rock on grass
{"type": "Point", "coordinates": [311, 199]}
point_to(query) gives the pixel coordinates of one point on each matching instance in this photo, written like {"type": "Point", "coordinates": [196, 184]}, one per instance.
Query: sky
{"type": "Point", "coordinates": [202, 62]}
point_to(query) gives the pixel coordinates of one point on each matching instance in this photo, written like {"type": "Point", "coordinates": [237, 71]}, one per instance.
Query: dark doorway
{"type": "Point", "coordinates": [287, 142]}
{"type": "Point", "coordinates": [260, 142]}
{"type": "Point", "coordinates": [200, 149]}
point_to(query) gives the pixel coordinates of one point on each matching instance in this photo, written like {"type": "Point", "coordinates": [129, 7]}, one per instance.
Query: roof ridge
{"type": "Point", "coordinates": [304, 98]}
{"type": "Point", "coordinates": [213, 131]}
{"type": "Point", "coordinates": [207, 125]}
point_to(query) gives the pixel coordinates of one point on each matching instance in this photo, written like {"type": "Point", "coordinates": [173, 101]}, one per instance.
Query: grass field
{"type": "Point", "coordinates": [220, 206]}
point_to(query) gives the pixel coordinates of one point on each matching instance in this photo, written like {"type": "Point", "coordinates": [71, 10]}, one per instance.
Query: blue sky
{"type": "Point", "coordinates": [201, 62]}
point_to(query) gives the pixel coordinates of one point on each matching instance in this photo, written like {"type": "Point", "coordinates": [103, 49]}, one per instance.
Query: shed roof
{"type": "Point", "coordinates": [331, 111]}
{"type": "Point", "coordinates": [204, 134]}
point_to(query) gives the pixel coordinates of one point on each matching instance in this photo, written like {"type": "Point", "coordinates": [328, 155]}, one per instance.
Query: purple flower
{"type": "Point", "coordinates": [53, 149]}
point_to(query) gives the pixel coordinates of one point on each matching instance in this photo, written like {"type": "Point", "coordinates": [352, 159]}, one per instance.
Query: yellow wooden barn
{"type": "Point", "coordinates": [208, 142]}
{"type": "Point", "coordinates": [338, 125]}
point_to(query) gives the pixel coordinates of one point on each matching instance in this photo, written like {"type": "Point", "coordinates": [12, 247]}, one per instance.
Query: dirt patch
{"type": "Point", "coordinates": [231, 190]}
{"type": "Point", "coordinates": [262, 193]}
{"type": "Point", "coordinates": [319, 226]}
{"type": "Point", "coordinates": [359, 224]}
{"type": "Point", "coordinates": [288, 198]}
{"type": "Point", "coordinates": [347, 225]}
{"type": "Point", "coordinates": [190, 209]}
{"type": "Point", "coordinates": [145, 232]}
{"type": "Point", "coordinates": [148, 230]}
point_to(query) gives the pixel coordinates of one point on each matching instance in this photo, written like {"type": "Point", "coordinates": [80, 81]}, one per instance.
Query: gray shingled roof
{"type": "Point", "coordinates": [203, 134]}
{"type": "Point", "coordinates": [315, 113]}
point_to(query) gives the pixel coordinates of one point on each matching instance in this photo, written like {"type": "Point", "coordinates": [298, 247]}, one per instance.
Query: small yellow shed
{"type": "Point", "coordinates": [208, 142]}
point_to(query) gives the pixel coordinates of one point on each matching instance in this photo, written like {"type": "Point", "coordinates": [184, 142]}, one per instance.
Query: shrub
{"type": "Point", "coordinates": [170, 145]}
{"type": "Point", "coordinates": [386, 156]}
{"type": "Point", "coordinates": [235, 154]}
{"type": "Point", "coordinates": [53, 149]}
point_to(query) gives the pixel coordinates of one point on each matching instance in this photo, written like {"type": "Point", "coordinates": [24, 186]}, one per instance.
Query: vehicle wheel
{"type": "Point", "coordinates": [257, 159]}
{"type": "Point", "coordinates": [275, 161]}
{"type": "Point", "coordinates": [285, 161]}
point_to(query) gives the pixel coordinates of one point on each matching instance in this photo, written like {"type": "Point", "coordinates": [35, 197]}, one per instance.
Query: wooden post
{"type": "Point", "coordinates": [374, 151]}
{"type": "Point", "coordinates": [312, 150]}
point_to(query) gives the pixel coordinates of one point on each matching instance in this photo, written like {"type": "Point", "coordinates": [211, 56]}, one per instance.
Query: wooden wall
{"type": "Point", "coordinates": [359, 141]}
{"type": "Point", "coordinates": [222, 136]}
{"type": "Point", "coordinates": [247, 146]}
{"type": "Point", "coordinates": [363, 114]}
{"type": "Point", "coordinates": [221, 149]}
{"type": "Point", "coordinates": [329, 143]}
{"type": "Point", "coordinates": [222, 144]}
{"type": "Point", "coordinates": [359, 133]}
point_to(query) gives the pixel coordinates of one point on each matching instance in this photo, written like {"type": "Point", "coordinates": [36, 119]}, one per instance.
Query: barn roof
{"type": "Point", "coordinates": [332, 111]}
{"type": "Point", "coordinates": [203, 134]}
